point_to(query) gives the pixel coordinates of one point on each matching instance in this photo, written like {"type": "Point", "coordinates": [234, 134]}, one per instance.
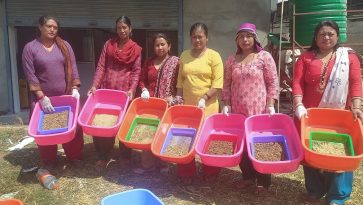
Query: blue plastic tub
{"type": "Point", "coordinates": [272, 138]}
{"type": "Point", "coordinates": [132, 197]}
{"type": "Point", "coordinates": [40, 130]}
{"type": "Point", "coordinates": [184, 132]}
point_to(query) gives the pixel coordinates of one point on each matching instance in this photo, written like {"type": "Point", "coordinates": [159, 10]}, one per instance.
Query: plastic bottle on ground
{"type": "Point", "coordinates": [46, 179]}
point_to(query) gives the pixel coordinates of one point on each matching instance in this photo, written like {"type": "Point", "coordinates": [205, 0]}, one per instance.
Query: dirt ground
{"type": "Point", "coordinates": [84, 185]}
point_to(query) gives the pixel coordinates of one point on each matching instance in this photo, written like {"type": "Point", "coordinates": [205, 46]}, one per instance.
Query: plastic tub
{"type": "Point", "coordinates": [134, 197]}
{"type": "Point", "coordinates": [58, 130]}
{"type": "Point", "coordinates": [152, 123]}
{"type": "Point", "coordinates": [273, 138]}
{"type": "Point", "coordinates": [103, 101]}
{"type": "Point", "coordinates": [55, 138]}
{"type": "Point", "coordinates": [181, 134]}
{"type": "Point", "coordinates": [333, 121]}
{"type": "Point", "coordinates": [10, 202]}
{"type": "Point", "coordinates": [153, 108]}
{"type": "Point", "coordinates": [226, 128]}
{"type": "Point", "coordinates": [271, 125]}
{"type": "Point", "coordinates": [178, 116]}
{"type": "Point", "coordinates": [344, 139]}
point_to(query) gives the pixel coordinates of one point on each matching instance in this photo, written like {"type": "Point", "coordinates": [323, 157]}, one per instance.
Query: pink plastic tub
{"type": "Point", "coordinates": [55, 138]}
{"type": "Point", "coordinates": [225, 128]}
{"type": "Point", "coordinates": [103, 101]}
{"type": "Point", "coordinates": [277, 124]}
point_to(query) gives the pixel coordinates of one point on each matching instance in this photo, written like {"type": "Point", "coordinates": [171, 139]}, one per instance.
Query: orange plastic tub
{"type": "Point", "coordinates": [178, 116]}
{"type": "Point", "coordinates": [10, 202]}
{"type": "Point", "coordinates": [152, 108]}
{"type": "Point", "coordinates": [332, 121]}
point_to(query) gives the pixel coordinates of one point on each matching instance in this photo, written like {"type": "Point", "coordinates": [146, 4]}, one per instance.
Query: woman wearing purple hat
{"type": "Point", "coordinates": [250, 88]}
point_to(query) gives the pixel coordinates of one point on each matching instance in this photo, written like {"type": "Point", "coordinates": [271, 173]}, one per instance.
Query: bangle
{"type": "Point", "coordinates": [355, 108]}
{"type": "Point", "coordinates": [206, 95]}
{"type": "Point", "coordinates": [298, 104]}
{"type": "Point", "coordinates": [41, 97]}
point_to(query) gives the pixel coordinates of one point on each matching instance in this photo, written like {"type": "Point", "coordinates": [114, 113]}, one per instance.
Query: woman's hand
{"type": "Point", "coordinates": [357, 113]}
{"type": "Point", "coordinates": [91, 91]}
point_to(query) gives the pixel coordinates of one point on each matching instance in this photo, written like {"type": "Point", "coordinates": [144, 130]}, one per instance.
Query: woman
{"type": "Point", "coordinates": [200, 79]}
{"type": "Point", "coordinates": [118, 68]}
{"type": "Point", "coordinates": [158, 79]}
{"type": "Point", "coordinates": [323, 63]}
{"type": "Point", "coordinates": [250, 88]}
{"type": "Point", "coordinates": [50, 68]}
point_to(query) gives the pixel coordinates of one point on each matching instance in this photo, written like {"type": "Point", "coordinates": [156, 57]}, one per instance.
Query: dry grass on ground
{"type": "Point", "coordinates": [85, 185]}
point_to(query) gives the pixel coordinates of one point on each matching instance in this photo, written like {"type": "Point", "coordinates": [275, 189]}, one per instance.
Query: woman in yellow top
{"type": "Point", "coordinates": [200, 80]}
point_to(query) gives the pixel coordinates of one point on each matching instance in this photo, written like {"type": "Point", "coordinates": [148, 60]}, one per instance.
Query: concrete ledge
{"type": "Point", "coordinates": [21, 118]}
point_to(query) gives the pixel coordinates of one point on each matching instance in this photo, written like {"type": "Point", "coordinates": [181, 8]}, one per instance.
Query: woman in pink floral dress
{"type": "Point", "coordinates": [250, 88]}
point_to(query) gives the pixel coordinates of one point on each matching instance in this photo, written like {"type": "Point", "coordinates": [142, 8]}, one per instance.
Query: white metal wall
{"type": "Point", "coordinates": [144, 14]}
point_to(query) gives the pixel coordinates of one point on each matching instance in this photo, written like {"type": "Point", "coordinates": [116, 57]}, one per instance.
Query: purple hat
{"type": "Point", "coordinates": [249, 27]}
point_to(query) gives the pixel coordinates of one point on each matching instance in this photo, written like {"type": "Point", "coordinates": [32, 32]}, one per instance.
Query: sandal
{"type": "Point", "coordinates": [261, 191]}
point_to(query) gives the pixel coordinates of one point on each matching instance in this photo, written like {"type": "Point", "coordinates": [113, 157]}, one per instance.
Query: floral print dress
{"type": "Point", "coordinates": [247, 87]}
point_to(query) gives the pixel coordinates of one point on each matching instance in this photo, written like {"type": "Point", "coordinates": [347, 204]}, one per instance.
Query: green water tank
{"type": "Point", "coordinates": [305, 24]}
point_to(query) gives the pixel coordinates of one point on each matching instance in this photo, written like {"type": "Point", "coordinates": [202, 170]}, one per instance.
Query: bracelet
{"type": "Point", "coordinates": [355, 108]}
{"type": "Point", "coordinates": [298, 104]}
{"type": "Point", "coordinates": [207, 96]}
{"type": "Point", "coordinates": [41, 97]}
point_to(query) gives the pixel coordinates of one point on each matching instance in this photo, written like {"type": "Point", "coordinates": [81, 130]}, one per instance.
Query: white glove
{"type": "Point", "coordinates": [201, 103]}
{"type": "Point", "coordinates": [226, 109]}
{"type": "Point", "coordinates": [75, 93]}
{"type": "Point", "coordinates": [145, 94]}
{"type": "Point", "coordinates": [46, 104]}
{"type": "Point", "coordinates": [270, 110]}
{"type": "Point", "coordinates": [300, 111]}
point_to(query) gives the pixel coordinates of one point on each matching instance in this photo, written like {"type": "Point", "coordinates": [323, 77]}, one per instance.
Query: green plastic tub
{"type": "Point", "coordinates": [153, 123]}
{"type": "Point", "coordinates": [335, 138]}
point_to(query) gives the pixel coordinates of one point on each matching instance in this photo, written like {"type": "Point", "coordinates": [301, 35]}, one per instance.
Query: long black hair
{"type": "Point", "coordinates": [44, 19]}
{"type": "Point", "coordinates": [332, 24]}
{"type": "Point", "coordinates": [201, 26]}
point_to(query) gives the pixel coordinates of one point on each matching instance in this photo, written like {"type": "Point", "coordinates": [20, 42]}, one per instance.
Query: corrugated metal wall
{"type": "Point", "coordinates": [144, 14]}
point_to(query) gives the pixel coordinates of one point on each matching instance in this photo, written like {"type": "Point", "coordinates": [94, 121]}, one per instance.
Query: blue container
{"type": "Point", "coordinates": [271, 138]}
{"type": "Point", "coordinates": [132, 197]}
{"type": "Point", "coordinates": [58, 130]}
{"type": "Point", "coordinates": [185, 132]}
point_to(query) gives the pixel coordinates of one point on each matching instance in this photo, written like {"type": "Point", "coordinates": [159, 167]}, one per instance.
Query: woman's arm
{"type": "Point", "coordinates": [217, 77]}
{"type": "Point", "coordinates": [271, 80]}
{"type": "Point", "coordinates": [76, 82]}
{"type": "Point", "coordinates": [226, 93]}
{"type": "Point", "coordinates": [29, 71]}
{"type": "Point", "coordinates": [101, 66]}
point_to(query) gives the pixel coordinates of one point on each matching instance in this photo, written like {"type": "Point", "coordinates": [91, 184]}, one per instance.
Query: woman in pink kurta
{"type": "Point", "coordinates": [118, 68]}
{"type": "Point", "coordinates": [250, 88]}
{"type": "Point", "coordinates": [50, 68]}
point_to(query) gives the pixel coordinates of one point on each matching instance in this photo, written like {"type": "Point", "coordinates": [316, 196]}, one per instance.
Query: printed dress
{"type": "Point", "coordinates": [247, 87]}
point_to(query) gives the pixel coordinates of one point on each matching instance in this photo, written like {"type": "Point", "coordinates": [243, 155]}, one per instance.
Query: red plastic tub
{"type": "Point", "coordinates": [269, 126]}
{"type": "Point", "coordinates": [224, 128]}
{"type": "Point", "coordinates": [178, 116]}
{"type": "Point", "coordinates": [55, 138]}
{"type": "Point", "coordinates": [103, 101]}
{"type": "Point", "coordinates": [332, 121]}
{"type": "Point", "coordinates": [153, 108]}
{"type": "Point", "coordinates": [10, 202]}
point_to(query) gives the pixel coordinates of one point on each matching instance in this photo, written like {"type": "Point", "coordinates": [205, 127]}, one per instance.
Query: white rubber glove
{"type": "Point", "coordinates": [201, 103]}
{"type": "Point", "coordinates": [300, 111]}
{"type": "Point", "coordinates": [226, 110]}
{"type": "Point", "coordinates": [270, 110]}
{"type": "Point", "coordinates": [46, 104]}
{"type": "Point", "coordinates": [145, 94]}
{"type": "Point", "coordinates": [75, 93]}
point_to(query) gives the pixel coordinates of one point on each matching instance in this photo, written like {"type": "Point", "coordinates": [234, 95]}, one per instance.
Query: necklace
{"type": "Point", "coordinates": [246, 60]}
{"type": "Point", "coordinates": [323, 74]}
